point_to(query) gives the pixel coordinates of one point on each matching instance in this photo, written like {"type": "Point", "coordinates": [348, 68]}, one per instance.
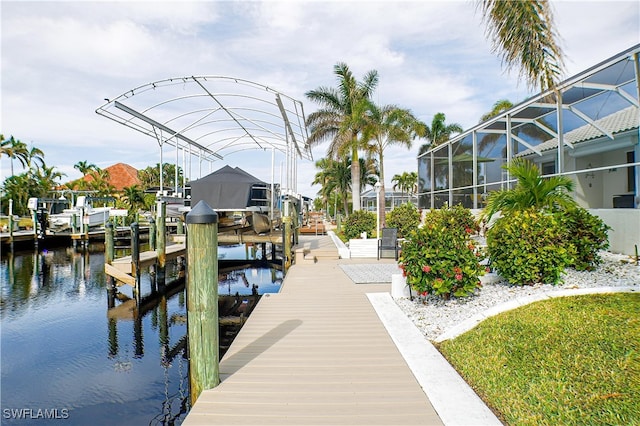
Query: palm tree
{"type": "Point", "coordinates": [407, 181]}
{"type": "Point", "coordinates": [134, 196]}
{"type": "Point", "coordinates": [85, 167]}
{"type": "Point", "coordinates": [390, 125]}
{"type": "Point", "coordinates": [439, 132]}
{"type": "Point", "coordinates": [499, 106]}
{"type": "Point", "coordinates": [14, 149]}
{"type": "Point", "coordinates": [336, 180]}
{"type": "Point", "coordinates": [532, 190]}
{"type": "Point", "coordinates": [322, 178]}
{"type": "Point", "coordinates": [341, 119]}
{"type": "Point", "coordinates": [524, 35]}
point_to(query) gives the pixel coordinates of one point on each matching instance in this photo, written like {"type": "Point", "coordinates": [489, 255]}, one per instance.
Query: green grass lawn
{"type": "Point", "coordinates": [569, 361]}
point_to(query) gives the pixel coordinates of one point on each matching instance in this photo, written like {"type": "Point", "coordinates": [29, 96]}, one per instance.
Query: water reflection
{"type": "Point", "coordinates": [70, 343]}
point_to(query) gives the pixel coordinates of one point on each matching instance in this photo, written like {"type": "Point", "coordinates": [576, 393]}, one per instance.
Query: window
{"type": "Point", "coordinates": [631, 172]}
{"type": "Point", "coordinates": [548, 168]}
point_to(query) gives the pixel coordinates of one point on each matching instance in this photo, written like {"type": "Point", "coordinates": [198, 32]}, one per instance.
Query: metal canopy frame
{"type": "Point", "coordinates": [608, 89]}
{"type": "Point", "coordinates": [212, 117]}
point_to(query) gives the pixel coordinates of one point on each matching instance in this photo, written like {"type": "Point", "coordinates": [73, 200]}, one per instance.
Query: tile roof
{"type": "Point", "coordinates": [621, 121]}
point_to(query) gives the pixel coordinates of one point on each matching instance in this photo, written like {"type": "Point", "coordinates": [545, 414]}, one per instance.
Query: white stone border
{"type": "Point", "coordinates": [452, 398]}
{"type": "Point", "coordinates": [470, 323]}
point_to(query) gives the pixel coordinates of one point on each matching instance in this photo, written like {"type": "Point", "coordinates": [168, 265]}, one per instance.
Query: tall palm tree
{"type": "Point", "coordinates": [14, 149]}
{"type": "Point", "coordinates": [390, 125]}
{"type": "Point", "coordinates": [439, 132]}
{"type": "Point", "coordinates": [35, 155]}
{"type": "Point", "coordinates": [531, 190]}
{"type": "Point", "coordinates": [524, 34]}
{"type": "Point", "coordinates": [341, 118]}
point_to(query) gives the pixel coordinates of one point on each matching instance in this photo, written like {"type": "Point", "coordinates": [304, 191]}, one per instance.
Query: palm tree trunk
{"type": "Point", "coordinates": [382, 205]}
{"type": "Point", "coordinates": [355, 179]}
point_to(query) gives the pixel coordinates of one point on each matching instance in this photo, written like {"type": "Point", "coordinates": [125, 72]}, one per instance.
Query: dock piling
{"type": "Point", "coordinates": [135, 258]}
{"type": "Point", "coordinates": [202, 299]}
{"type": "Point", "coordinates": [161, 214]}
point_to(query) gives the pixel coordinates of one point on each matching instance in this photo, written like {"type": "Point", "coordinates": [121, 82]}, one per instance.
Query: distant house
{"type": "Point", "coordinates": [392, 199]}
{"type": "Point", "coordinates": [120, 176]}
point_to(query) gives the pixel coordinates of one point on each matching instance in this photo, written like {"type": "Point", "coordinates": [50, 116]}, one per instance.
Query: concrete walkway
{"type": "Point", "coordinates": [328, 351]}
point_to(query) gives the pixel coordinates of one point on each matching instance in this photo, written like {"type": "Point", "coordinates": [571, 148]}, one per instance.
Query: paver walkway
{"type": "Point", "coordinates": [315, 354]}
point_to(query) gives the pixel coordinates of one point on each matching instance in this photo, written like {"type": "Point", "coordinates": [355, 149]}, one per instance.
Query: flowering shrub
{"type": "Point", "coordinates": [440, 257]}
{"type": "Point", "coordinates": [529, 246]}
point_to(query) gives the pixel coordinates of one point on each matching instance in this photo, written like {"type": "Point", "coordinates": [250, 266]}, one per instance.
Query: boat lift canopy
{"type": "Point", "coordinates": [211, 117]}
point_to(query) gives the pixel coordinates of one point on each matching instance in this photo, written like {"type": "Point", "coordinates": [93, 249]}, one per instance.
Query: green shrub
{"type": "Point", "coordinates": [404, 218]}
{"type": "Point", "coordinates": [529, 246]}
{"type": "Point", "coordinates": [457, 216]}
{"type": "Point", "coordinates": [588, 233]}
{"type": "Point", "coordinates": [440, 258]}
{"type": "Point", "coordinates": [358, 222]}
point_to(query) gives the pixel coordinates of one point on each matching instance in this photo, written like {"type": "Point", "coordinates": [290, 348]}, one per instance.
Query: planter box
{"type": "Point", "coordinates": [363, 247]}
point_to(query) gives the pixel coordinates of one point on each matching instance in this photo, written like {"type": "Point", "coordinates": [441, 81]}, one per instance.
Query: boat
{"type": "Point", "coordinates": [83, 213]}
{"type": "Point", "coordinates": [238, 197]}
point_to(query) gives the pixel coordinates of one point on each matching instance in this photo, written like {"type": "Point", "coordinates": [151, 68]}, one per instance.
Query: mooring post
{"type": "Point", "coordinates": [152, 234]}
{"type": "Point", "coordinates": [180, 229]}
{"type": "Point", "coordinates": [135, 257]}
{"type": "Point", "coordinates": [202, 299]}
{"type": "Point", "coordinates": [109, 245]}
{"type": "Point", "coordinates": [109, 255]}
{"type": "Point", "coordinates": [11, 225]}
{"type": "Point", "coordinates": [161, 250]}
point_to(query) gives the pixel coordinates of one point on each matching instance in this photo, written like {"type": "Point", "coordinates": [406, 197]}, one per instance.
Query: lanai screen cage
{"type": "Point", "coordinates": [586, 128]}
{"type": "Point", "coordinates": [208, 118]}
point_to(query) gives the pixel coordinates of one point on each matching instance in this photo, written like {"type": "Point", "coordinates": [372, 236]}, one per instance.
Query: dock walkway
{"type": "Point", "coordinates": [315, 353]}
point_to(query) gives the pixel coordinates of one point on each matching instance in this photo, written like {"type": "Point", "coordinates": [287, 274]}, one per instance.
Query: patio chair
{"type": "Point", "coordinates": [388, 241]}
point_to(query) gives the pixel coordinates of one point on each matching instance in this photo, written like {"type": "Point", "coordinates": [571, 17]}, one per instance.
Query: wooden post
{"type": "Point", "coordinates": [34, 218]}
{"type": "Point", "coordinates": [202, 299]}
{"type": "Point", "coordinates": [109, 245]}
{"type": "Point", "coordinates": [11, 225]}
{"type": "Point", "coordinates": [180, 230]}
{"type": "Point", "coordinates": [152, 234]}
{"type": "Point", "coordinates": [135, 257]}
{"type": "Point", "coordinates": [286, 242]}
{"type": "Point", "coordinates": [162, 242]}
{"type": "Point", "coordinates": [109, 255]}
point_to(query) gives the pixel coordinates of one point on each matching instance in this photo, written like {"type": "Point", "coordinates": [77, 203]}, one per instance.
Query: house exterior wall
{"type": "Point", "coordinates": [624, 236]}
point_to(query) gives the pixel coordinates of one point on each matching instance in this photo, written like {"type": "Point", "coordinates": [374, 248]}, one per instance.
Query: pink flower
{"type": "Point", "coordinates": [426, 268]}
{"type": "Point", "coordinates": [459, 277]}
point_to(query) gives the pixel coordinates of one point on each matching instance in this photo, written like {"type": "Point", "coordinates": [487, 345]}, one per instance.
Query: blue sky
{"type": "Point", "coordinates": [61, 59]}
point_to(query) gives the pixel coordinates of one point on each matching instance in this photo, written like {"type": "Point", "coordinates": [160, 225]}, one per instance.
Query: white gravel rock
{"type": "Point", "coordinates": [434, 316]}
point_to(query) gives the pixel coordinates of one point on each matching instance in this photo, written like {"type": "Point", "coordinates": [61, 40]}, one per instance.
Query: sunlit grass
{"type": "Point", "coordinates": [570, 361]}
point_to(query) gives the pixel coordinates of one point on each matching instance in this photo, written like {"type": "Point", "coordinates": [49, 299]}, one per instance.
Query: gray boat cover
{"type": "Point", "coordinates": [225, 189]}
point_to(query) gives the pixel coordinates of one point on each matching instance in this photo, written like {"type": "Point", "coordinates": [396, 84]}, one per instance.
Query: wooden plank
{"type": "Point", "coordinates": [119, 274]}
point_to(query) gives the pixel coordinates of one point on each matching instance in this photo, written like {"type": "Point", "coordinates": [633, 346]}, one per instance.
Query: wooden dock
{"type": "Point", "coordinates": [315, 354]}
{"type": "Point", "coordinates": [121, 268]}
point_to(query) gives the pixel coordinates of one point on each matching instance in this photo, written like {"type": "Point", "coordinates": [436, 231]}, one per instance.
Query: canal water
{"type": "Point", "coordinates": [67, 359]}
